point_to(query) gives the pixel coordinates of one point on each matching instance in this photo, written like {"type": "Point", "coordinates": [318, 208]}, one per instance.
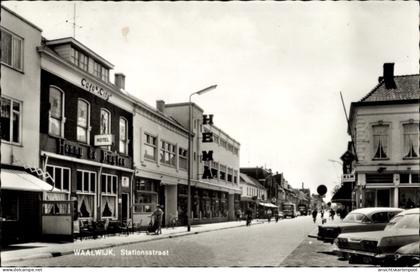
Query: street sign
{"type": "Point", "coordinates": [125, 181]}
{"type": "Point", "coordinates": [103, 140]}
{"type": "Point", "coordinates": [348, 178]}
{"type": "Point", "coordinates": [322, 190]}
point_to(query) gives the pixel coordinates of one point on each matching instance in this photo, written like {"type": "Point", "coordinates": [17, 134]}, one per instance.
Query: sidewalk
{"type": "Point", "coordinates": [18, 252]}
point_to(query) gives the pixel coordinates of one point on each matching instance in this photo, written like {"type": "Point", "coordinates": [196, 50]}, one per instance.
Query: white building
{"type": "Point", "coordinates": [385, 129]}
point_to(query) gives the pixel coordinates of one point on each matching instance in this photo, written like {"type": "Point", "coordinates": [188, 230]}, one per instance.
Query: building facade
{"type": "Point", "coordinates": [215, 196]}
{"type": "Point", "coordinates": [385, 129]}
{"type": "Point", "coordinates": [20, 95]}
{"type": "Point", "coordinates": [86, 135]}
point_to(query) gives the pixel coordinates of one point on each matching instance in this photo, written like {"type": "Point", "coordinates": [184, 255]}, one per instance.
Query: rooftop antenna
{"type": "Point", "coordinates": [74, 21]}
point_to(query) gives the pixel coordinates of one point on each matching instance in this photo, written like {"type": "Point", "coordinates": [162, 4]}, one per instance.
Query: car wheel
{"type": "Point", "coordinates": [354, 259]}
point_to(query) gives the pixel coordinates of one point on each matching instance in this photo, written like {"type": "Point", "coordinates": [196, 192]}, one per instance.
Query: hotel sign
{"type": "Point", "coordinates": [95, 89]}
{"type": "Point", "coordinates": [103, 140]}
{"type": "Point", "coordinates": [348, 178]}
{"type": "Point", "coordinates": [74, 149]}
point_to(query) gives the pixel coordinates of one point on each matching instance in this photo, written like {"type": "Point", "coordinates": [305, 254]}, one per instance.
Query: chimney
{"type": "Point", "coordinates": [120, 81]}
{"type": "Point", "coordinates": [160, 105]}
{"type": "Point", "coordinates": [388, 76]}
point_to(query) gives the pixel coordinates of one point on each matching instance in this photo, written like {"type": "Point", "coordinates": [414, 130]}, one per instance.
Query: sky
{"type": "Point", "coordinates": [279, 66]}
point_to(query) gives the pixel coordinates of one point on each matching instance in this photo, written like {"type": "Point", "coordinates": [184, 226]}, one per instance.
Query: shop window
{"type": "Point", "coordinates": [56, 113]}
{"type": "Point", "coordinates": [123, 136]}
{"type": "Point", "coordinates": [409, 197]}
{"type": "Point", "coordinates": [145, 198]}
{"type": "Point", "coordinates": [380, 141]}
{"type": "Point", "coordinates": [10, 120]}
{"type": "Point", "coordinates": [411, 141]}
{"type": "Point", "coordinates": [150, 147]}
{"type": "Point", "coordinates": [11, 50]}
{"type": "Point", "coordinates": [9, 206]}
{"type": "Point", "coordinates": [109, 192]}
{"type": "Point", "coordinates": [61, 177]}
{"type": "Point", "coordinates": [83, 113]}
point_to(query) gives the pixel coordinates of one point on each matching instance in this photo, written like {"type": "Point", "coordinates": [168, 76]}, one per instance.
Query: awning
{"type": "Point", "coordinates": [269, 205]}
{"type": "Point", "coordinates": [343, 194]}
{"type": "Point", "coordinates": [22, 181]}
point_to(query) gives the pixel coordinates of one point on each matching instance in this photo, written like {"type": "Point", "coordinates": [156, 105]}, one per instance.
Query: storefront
{"type": "Point", "coordinates": [207, 206]}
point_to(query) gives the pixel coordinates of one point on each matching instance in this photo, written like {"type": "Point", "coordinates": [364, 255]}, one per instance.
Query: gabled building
{"type": "Point", "coordinates": [384, 126]}
{"type": "Point", "coordinates": [266, 178]}
{"type": "Point", "coordinates": [252, 193]}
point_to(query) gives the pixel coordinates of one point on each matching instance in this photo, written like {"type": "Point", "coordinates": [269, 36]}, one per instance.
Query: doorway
{"type": "Point", "coordinates": [125, 212]}
{"type": "Point", "coordinates": [383, 198]}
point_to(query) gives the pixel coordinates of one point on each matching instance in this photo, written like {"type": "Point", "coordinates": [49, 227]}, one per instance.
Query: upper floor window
{"type": "Point", "coordinates": [411, 140]}
{"type": "Point", "coordinates": [123, 136]}
{"type": "Point", "coordinates": [380, 141]}
{"type": "Point", "coordinates": [10, 120]}
{"type": "Point", "coordinates": [168, 153]}
{"type": "Point", "coordinates": [223, 143]}
{"type": "Point", "coordinates": [183, 158]}
{"type": "Point", "coordinates": [82, 121]}
{"type": "Point", "coordinates": [11, 50]}
{"type": "Point", "coordinates": [79, 59]}
{"type": "Point", "coordinates": [150, 147]}
{"type": "Point", "coordinates": [56, 119]}
{"type": "Point", "coordinates": [100, 72]}
{"type": "Point", "coordinates": [105, 126]}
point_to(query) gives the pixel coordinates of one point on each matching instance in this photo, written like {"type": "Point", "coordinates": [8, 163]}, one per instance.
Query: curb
{"type": "Point", "coordinates": [155, 238]}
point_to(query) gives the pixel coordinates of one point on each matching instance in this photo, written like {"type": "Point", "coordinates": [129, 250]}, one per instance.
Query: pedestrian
{"type": "Point", "coordinates": [322, 213]}
{"type": "Point", "coordinates": [238, 214]}
{"type": "Point", "coordinates": [314, 214]}
{"type": "Point", "coordinates": [248, 214]}
{"type": "Point", "coordinates": [277, 216]}
{"type": "Point", "coordinates": [269, 214]}
{"type": "Point", "coordinates": [158, 216]}
{"type": "Point", "coordinates": [332, 214]}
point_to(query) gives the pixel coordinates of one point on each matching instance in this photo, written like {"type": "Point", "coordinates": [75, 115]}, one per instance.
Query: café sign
{"type": "Point", "coordinates": [103, 140]}
{"type": "Point", "coordinates": [95, 89]}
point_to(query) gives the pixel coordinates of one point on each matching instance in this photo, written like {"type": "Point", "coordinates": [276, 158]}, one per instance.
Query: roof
{"type": "Point", "coordinates": [407, 91]}
{"type": "Point", "coordinates": [250, 180]}
{"type": "Point", "coordinates": [21, 18]}
{"type": "Point", "coordinates": [368, 211]}
{"type": "Point", "coordinates": [407, 88]}
{"type": "Point", "coordinates": [81, 46]}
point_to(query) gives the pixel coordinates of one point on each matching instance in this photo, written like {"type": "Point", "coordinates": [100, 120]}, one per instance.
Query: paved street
{"type": "Point", "coordinates": [268, 244]}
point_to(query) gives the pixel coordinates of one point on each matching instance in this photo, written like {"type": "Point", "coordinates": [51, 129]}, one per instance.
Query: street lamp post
{"type": "Point", "coordinates": [190, 153]}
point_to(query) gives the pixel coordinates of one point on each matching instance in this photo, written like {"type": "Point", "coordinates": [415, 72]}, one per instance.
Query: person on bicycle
{"type": "Point", "coordinates": [248, 217]}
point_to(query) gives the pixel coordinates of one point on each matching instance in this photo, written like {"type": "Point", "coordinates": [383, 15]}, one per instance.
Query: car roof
{"type": "Point", "coordinates": [368, 211]}
{"type": "Point", "coordinates": [410, 211]}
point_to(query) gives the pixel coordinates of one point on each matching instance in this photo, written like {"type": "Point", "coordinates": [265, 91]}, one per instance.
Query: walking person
{"type": "Point", "coordinates": [277, 216]}
{"type": "Point", "coordinates": [314, 214]}
{"type": "Point", "coordinates": [332, 214]}
{"type": "Point", "coordinates": [158, 216]}
{"type": "Point", "coordinates": [248, 214]}
{"type": "Point", "coordinates": [269, 213]}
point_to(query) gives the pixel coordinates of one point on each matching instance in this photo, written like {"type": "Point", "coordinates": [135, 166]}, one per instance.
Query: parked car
{"type": "Point", "coordinates": [408, 255]}
{"type": "Point", "coordinates": [289, 209]}
{"type": "Point", "coordinates": [378, 247]}
{"type": "Point", "coordinates": [366, 219]}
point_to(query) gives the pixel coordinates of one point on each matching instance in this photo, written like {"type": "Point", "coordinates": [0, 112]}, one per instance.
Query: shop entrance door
{"type": "Point", "coordinates": [161, 201]}
{"type": "Point", "coordinates": [383, 199]}
{"type": "Point", "coordinates": [125, 213]}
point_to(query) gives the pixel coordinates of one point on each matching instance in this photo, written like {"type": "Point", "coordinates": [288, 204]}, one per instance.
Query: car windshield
{"type": "Point", "coordinates": [409, 221]}
{"type": "Point", "coordinates": [355, 218]}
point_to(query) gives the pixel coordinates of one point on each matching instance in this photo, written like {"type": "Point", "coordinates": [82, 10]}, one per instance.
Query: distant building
{"type": "Point", "coordinates": [252, 193]}
{"type": "Point", "coordinates": [385, 130]}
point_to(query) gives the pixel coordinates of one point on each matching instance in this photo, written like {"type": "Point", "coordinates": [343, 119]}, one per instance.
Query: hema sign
{"type": "Point", "coordinates": [104, 140]}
